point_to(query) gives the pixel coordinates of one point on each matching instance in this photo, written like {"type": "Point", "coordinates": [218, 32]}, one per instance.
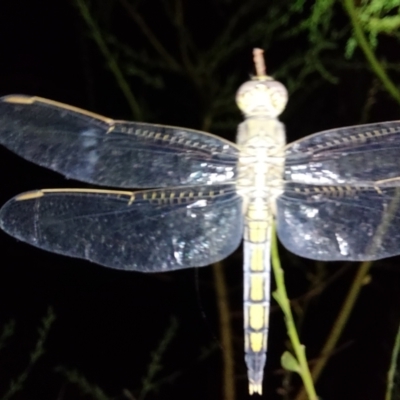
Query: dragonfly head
{"type": "Point", "coordinates": [262, 96]}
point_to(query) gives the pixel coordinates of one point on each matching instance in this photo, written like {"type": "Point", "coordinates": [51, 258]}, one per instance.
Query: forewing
{"type": "Point", "coordinates": [340, 223]}
{"type": "Point", "coordinates": [149, 231]}
{"type": "Point", "coordinates": [91, 148]}
{"type": "Point", "coordinates": [358, 156]}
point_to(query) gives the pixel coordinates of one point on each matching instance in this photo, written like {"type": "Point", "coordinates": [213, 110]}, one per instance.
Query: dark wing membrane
{"type": "Point", "coordinates": [340, 223]}
{"type": "Point", "coordinates": [91, 148]}
{"type": "Point", "coordinates": [358, 155]}
{"type": "Point", "coordinates": [147, 231]}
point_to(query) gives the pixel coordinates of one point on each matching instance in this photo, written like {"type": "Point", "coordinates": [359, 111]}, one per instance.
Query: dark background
{"type": "Point", "coordinates": [109, 322]}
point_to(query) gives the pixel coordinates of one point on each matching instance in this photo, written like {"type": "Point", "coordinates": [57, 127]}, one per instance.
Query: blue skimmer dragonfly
{"type": "Point", "coordinates": [334, 195]}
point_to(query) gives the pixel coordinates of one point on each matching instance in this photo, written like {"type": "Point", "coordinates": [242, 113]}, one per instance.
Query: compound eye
{"type": "Point", "coordinates": [278, 100]}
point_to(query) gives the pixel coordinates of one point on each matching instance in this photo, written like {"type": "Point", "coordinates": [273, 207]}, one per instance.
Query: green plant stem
{"type": "Point", "coordinates": [392, 369]}
{"type": "Point", "coordinates": [281, 297]}
{"type": "Point", "coordinates": [226, 332]}
{"type": "Point", "coordinates": [340, 322]}
{"type": "Point", "coordinates": [369, 54]}
{"type": "Point", "coordinates": [111, 61]}
{"type": "Point", "coordinates": [359, 279]}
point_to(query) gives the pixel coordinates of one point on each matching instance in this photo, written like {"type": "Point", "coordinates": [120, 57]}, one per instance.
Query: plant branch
{"type": "Point", "coordinates": [153, 40]}
{"type": "Point", "coordinates": [111, 61]}
{"type": "Point", "coordinates": [18, 384]}
{"type": "Point", "coordinates": [369, 54]}
{"type": "Point", "coordinates": [226, 331]}
{"type": "Point", "coordinates": [298, 364]}
{"type": "Point", "coordinates": [339, 323]}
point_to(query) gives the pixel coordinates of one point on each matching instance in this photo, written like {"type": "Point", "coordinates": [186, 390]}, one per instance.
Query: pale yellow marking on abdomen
{"type": "Point", "coordinates": [256, 316]}
{"type": "Point", "coordinates": [256, 287]}
{"type": "Point", "coordinates": [256, 341]}
{"type": "Point", "coordinates": [257, 259]}
{"type": "Point", "coordinates": [258, 231]}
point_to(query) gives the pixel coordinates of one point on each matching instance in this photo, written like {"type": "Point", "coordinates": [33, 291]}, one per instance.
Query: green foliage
{"type": "Point", "coordinates": [289, 362]}
{"type": "Point", "coordinates": [150, 382]}
{"type": "Point", "coordinates": [376, 17]}
{"type": "Point", "coordinates": [18, 384]}
{"type": "Point", "coordinates": [86, 387]}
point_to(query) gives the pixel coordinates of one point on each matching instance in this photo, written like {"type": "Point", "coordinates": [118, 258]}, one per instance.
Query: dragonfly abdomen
{"type": "Point", "coordinates": [257, 236]}
{"type": "Point", "coordinates": [260, 182]}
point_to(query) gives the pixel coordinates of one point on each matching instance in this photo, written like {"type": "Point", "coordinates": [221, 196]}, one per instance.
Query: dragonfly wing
{"type": "Point", "coordinates": [149, 231]}
{"type": "Point", "coordinates": [95, 149]}
{"type": "Point", "coordinates": [340, 223]}
{"type": "Point", "coordinates": [358, 155]}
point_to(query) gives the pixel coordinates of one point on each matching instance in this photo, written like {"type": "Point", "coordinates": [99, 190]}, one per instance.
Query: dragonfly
{"type": "Point", "coordinates": [333, 195]}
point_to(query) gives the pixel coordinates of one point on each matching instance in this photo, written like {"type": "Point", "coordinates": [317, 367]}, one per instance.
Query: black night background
{"type": "Point", "coordinates": [183, 61]}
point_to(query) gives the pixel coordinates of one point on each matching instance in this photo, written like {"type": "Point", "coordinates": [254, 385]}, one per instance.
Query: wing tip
{"type": "Point", "coordinates": [18, 99]}
{"type": "Point", "coordinates": [29, 195]}
{"type": "Point", "coordinates": [28, 100]}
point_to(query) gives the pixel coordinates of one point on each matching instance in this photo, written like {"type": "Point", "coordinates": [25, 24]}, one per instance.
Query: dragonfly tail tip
{"type": "Point", "coordinates": [255, 388]}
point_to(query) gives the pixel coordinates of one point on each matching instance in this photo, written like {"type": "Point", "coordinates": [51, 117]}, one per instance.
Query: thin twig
{"type": "Point", "coordinates": [112, 63]}
{"type": "Point", "coordinates": [226, 331]}
{"type": "Point", "coordinates": [151, 37]}
{"type": "Point", "coordinates": [339, 323]}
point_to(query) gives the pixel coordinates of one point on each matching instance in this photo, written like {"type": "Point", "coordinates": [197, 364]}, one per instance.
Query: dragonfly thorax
{"type": "Point", "coordinates": [261, 160]}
